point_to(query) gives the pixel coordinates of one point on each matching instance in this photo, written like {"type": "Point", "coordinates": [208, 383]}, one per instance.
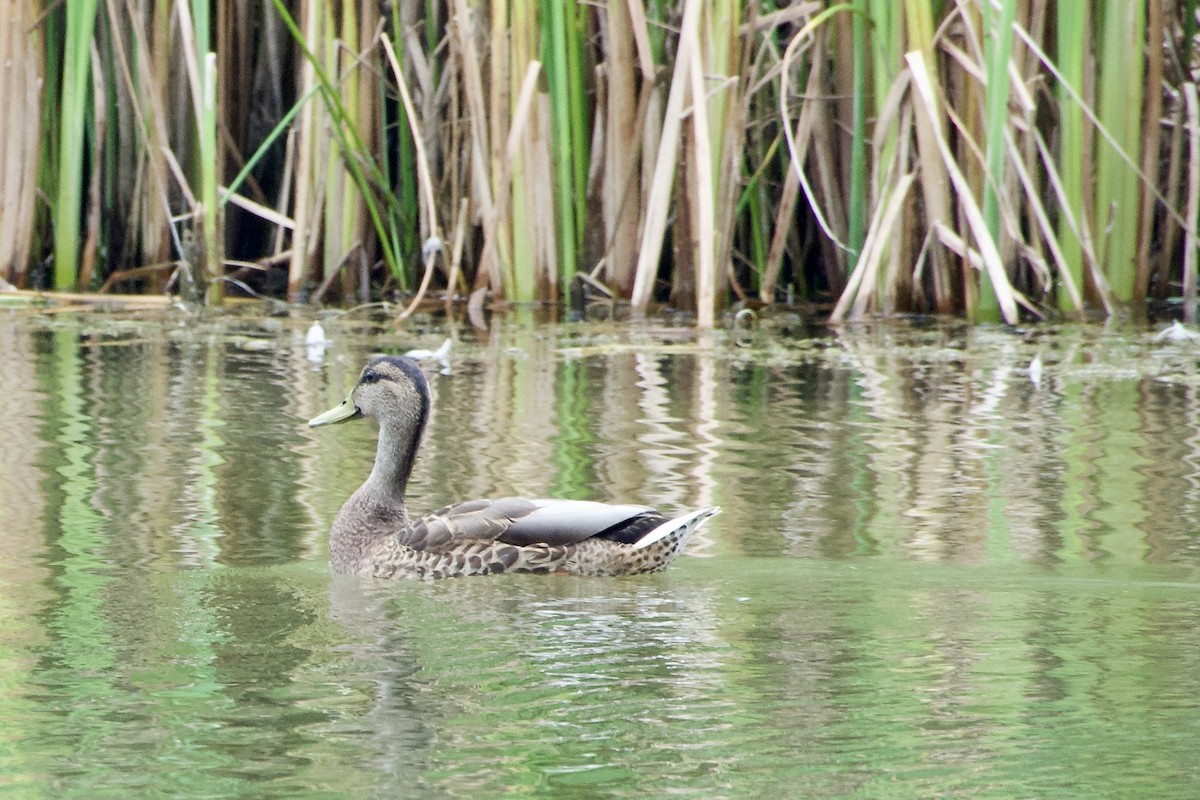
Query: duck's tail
{"type": "Point", "coordinates": [680, 528]}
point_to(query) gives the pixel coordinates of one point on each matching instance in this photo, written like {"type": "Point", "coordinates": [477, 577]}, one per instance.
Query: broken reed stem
{"type": "Point", "coordinates": [983, 237]}
{"type": "Point", "coordinates": [424, 174]}
{"type": "Point", "coordinates": [655, 221]}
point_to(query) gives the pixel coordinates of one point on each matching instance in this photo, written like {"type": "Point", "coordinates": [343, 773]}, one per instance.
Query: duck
{"type": "Point", "coordinates": [373, 534]}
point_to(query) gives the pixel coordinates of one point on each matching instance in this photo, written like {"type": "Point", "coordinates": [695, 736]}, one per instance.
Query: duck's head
{"type": "Point", "coordinates": [389, 389]}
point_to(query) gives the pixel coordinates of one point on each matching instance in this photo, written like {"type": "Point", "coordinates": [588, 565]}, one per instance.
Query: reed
{"type": "Point", "coordinates": [568, 122]}
{"type": "Point", "coordinates": [857, 206]}
{"type": "Point", "coordinates": [1071, 47]}
{"type": "Point", "coordinates": [68, 202]}
{"type": "Point", "coordinates": [21, 48]}
{"type": "Point", "coordinates": [998, 54]}
{"type": "Point", "coordinates": [201, 66]}
{"type": "Point", "coordinates": [995, 159]}
{"type": "Point", "coordinates": [1119, 111]}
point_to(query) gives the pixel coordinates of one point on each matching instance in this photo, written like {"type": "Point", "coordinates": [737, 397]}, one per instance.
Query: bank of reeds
{"type": "Point", "coordinates": [986, 157]}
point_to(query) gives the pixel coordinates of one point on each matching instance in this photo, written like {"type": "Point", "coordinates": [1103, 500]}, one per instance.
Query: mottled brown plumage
{"type": "Point", "coordinates": [373, 535]}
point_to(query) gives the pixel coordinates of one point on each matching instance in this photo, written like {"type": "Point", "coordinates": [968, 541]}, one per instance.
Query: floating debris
{"type": "Point", "coordinates": [744, 319]}
{"type": "Point", "coordinates": [1035, 371]}
{"type": "Point", "coordinates": [441, 355]}
{"type": "Point", "coordinates": [252, 343]}
{"type": "Point", "coordinates": [1176, 333]}
{"type": "Point", "coordinates": [315, 343]}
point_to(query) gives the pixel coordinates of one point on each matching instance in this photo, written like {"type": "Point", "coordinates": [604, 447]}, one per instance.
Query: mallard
{"type": "Point", "coordinates": [373, 534]}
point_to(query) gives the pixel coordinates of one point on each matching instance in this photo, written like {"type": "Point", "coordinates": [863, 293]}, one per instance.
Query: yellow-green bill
{"type": "Point", "coordinates": [340, 413]}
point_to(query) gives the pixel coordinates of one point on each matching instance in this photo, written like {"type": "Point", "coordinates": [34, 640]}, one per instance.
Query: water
{"type": "Point", "coordinates": [931, 577]}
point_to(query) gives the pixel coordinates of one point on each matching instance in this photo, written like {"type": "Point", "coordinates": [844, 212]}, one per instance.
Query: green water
{"type": "Point", "coordinates": [931, 578]}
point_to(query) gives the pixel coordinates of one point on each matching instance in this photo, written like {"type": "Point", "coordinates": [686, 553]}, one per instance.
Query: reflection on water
{"type": "Point", "coordinates": [931, 577]}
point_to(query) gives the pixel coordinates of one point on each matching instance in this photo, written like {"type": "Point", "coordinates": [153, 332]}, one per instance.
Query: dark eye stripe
{"type": "Point", "coordinates": [371, 376]}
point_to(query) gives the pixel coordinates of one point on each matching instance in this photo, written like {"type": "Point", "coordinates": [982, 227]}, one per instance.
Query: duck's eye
{"type": "Point", "coordinates": [370, 376]}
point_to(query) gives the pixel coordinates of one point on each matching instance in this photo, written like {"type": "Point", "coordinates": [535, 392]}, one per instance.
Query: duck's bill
{"type": "Point", "coordinates": [340, 413]}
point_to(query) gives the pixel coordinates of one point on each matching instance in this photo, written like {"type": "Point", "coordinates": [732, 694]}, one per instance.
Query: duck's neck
{"type": "Point", "coordinates": [398, 442]}
{"type": "Point", "coordinates": [376, 510]}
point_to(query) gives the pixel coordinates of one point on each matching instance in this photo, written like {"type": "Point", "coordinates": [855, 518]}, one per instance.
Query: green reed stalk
{"type": "Point", "coordinates": [759, 246]}
{"type": "Point", "coordinates": [576, 41]}
{"type": "Point", "coordinates": [998, 51]}
{"type": "Point", "coordinates": [657, 29]}
{"type": "Point", "coordinates": [210, 210]}
{"type": "Point", "coordinates": [202, 26]}
{"type": "Point", "coordinates": [404, 224]}
{"type": "Point", "coordinates": [756, 201]}
{"type": "Point", "coordinates": [753, 203]}
{"type": "Point", "coordinates": [1119, 108]}
{"type": "Point", "coordinates": [202, 74]}
{"type": "Point", "coordinates": [557, 56]}
{"type": "Point", "coordinates": [1072, 159]}
{"type": "Point", "coordinates": [53, 35]}
{"type": "Point", "coordinates": [53, 38]}
{"type": "Point", "coordinates": [887, 45]}
{"type": "Point", "coordinates": [857, 200]}
{"type": "Point", "coordinates": [81, 26]}
{"type": "Point", "coordinates": [432, 28]}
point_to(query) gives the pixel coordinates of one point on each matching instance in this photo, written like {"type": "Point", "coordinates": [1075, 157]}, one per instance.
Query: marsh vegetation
{"type": "Point", "coordinates": [992, 159]}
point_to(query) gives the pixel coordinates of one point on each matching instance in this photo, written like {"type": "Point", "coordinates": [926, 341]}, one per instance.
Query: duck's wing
{"type": "Point", "coordinates": [570, 521]}
{"type": "Point", "coordinates": [521, 521]}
